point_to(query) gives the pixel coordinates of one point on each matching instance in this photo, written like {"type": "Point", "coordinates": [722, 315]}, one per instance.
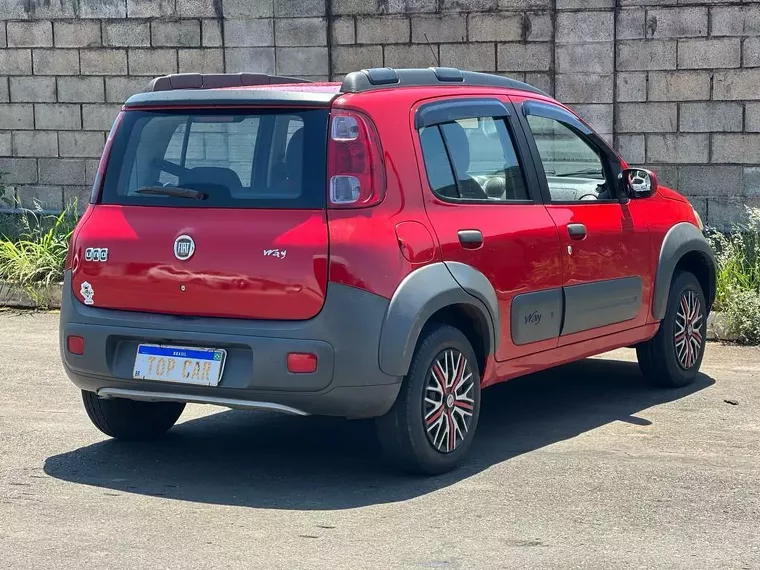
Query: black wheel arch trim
{"type": "Point", "coordinates": [420, 295]}
{"type": "Point", "coordinates": [682, 239]}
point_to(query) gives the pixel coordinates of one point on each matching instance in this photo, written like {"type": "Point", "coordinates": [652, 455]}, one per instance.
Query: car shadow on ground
{"type": "Point", "coordinates": [285, 462]}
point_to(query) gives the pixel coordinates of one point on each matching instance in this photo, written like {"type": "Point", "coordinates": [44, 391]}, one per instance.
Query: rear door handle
{"type": "Point", "coordinates": [576, 231]}
{"type": "Point", "coordinates": [470, 239]}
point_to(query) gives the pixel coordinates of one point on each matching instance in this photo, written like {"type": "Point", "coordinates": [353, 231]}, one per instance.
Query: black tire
{"type": "Point", "coordinates": [402, 431]}
{"type": "Point", "coordinates": [664, 360]}
{"type": "Point", "coordinates": [130, 419]}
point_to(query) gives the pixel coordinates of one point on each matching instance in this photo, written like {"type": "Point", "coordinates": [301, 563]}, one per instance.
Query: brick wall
{"type": "Point", "coordinates": [674, 84]}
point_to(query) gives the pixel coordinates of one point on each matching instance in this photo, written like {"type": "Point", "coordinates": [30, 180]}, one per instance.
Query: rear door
{"type": "Point", "coordinates": [483, 200]}
{"type": "Point", "coordinates": [605, 243]}
{"type": "Point", "coordinates": [210, 212]}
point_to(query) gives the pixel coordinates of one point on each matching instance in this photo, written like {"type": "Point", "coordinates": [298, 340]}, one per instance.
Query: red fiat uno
{"type": "Point", "coordinates": [383, 248]}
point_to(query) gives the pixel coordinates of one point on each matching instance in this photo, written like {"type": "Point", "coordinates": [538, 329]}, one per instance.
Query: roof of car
{"type": "Point", "coordinates": [244, 88]}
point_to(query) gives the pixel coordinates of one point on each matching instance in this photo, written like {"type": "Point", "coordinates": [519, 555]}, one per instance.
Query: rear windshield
{"type": "Point", "coordinates": [219, 158]}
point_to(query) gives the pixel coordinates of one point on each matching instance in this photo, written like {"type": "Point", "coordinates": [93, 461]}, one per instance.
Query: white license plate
{"type": "Point", "coordinates": [201, 366]}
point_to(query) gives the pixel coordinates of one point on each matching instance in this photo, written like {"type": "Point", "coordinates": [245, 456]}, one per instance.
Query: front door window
{"type": "Point", "coordinates": [573, 166]}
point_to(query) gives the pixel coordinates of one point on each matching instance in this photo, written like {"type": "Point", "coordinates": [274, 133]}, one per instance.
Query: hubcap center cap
{"type": "Point", "coordinates": [450, 400]}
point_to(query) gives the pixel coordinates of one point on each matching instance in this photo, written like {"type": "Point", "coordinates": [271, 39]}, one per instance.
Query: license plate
{"type": "Point", "coordinates": [201, 366]}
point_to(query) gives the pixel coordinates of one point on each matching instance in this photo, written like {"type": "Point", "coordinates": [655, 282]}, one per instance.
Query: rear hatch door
{"type": "Point", "coordinates": [210, 212]}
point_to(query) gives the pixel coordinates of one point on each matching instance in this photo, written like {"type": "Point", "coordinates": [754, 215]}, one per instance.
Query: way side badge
{"type": "Point", "coordinates": [87, 293]}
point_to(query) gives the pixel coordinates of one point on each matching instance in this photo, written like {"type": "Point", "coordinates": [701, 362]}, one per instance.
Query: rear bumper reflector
{"type": "Point", "coordinates": [302, 363]}
{"type": "Point", "coordinates": [75, 345]}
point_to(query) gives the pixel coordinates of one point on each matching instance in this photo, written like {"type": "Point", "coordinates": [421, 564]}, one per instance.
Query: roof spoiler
{"type": "Point", "coordinates": [217, 81]}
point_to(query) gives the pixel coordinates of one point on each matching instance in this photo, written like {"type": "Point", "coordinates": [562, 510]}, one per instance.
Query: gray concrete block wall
{"type": "Point", "coordinates": [700, 84]}
{"type": "Point", "coordinates": [674, 85]}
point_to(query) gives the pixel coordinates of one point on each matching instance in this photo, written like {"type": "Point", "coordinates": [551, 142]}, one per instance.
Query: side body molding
{"type": "Point", "coordinates": [421, 294]}
{"type": "Point", "coordinates": [681, 239]}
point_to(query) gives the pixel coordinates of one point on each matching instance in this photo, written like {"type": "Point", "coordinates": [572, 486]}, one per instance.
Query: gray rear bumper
{"type": "Point", "coordinates": [345, 336]}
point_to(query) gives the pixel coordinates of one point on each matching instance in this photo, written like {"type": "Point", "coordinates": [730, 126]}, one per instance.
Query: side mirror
{"type": "Point", "coordinates": [639, 183]}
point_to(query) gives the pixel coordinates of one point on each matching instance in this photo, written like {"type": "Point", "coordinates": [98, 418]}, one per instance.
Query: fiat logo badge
{"type": "Point", "coordinates": [184, 247]}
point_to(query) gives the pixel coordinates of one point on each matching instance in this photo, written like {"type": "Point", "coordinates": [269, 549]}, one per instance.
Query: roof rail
{"type": "Point", "coordinates": [386, 77]}
{"type": "Point", "coordinates": [217, 80]}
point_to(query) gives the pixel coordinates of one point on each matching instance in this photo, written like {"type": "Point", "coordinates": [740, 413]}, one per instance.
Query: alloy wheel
{"type": "Point", "coordinates": [448, 405]}
{"type": "Point", "coordinates": [688, 330]}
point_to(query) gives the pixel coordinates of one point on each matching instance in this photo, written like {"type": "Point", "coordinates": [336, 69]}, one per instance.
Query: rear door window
{"type": "Point", "coordinates": [482, 154]}
{"type": "Point", "coordinates": [226, 159]}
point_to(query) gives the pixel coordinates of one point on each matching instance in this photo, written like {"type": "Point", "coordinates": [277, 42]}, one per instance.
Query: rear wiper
{"type": "Point", "coordinates": [172, 191]}
{"type": "Point", "coordinates": [580, 172]}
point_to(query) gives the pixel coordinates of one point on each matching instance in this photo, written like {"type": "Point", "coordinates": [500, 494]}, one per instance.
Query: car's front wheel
{"type": "Point", "coordinates": [673, 357]}
{"type": "Point", "coordinates": [432, 423]}
{"type": "Point", "coordinates": [130, 419]}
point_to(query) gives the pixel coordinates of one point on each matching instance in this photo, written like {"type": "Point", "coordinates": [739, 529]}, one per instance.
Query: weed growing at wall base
{"type": "Point", "coordinates": [35, 260]}
{"type": "Point", "coordinates": [738, 287]}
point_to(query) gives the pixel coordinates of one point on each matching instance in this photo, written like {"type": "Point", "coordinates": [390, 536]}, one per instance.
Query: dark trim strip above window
{"type": "Point", "coordinates": [439, 112]}
{"type": "Point", "coordinates": [547, 111]}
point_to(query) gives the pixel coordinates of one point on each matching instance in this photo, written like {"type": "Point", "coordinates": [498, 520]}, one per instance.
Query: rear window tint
{"type": "Point", "coordinates": [230, 159]}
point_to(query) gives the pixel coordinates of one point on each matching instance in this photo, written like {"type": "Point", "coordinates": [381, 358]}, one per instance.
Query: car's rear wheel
{"type": "Point", "coordinates": [130, 419]}
{"type": "Point", "coordinates": [431, 425]}
{"type": "Point", "coordinates": [673, 357]}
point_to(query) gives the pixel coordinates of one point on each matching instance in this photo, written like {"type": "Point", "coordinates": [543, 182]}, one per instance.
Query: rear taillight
{"type": "Point", "coordinates": [72, 259]}
{"type": "Point", "coordinates": [356, 176]}
{"type": "Point", "coordinates": [97, 185]}
{"type": "Point", "coordinates": [69, 263]}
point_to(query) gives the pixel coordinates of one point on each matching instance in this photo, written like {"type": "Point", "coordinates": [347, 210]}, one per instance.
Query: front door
{"type": "Point", "coordinates": [605, 243]}
{"type": "Point", "coordinates": [484, 203]}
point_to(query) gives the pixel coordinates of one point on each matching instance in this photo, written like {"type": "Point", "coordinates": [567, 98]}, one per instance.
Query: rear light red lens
{"type": "Point", "coordinates": [69, 263]}
{"type": "Point", "coordinates": [75, 345]}
{"type": "Point", "coordinates": [356, 174]}
{"type": "Point", "coordinates": [72, 256]}
{"type": "Point", "coordinates": [302, 363]}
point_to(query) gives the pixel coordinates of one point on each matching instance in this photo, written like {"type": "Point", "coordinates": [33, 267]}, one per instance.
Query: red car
{"type": "Point", "coordinates": [383, 248]}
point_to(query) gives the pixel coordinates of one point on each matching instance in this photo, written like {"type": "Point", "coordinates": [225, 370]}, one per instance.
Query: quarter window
{"type": "Point", "coordinates": [573, 166]}
{"type": "Point", "coordinates": [473, 159]}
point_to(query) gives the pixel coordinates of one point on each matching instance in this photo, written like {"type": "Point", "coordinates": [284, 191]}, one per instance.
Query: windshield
{"type": "Point", "coordinates": [219, 158]}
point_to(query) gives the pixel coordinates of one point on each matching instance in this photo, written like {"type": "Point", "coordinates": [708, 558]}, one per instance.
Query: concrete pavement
{"type": "Point", "coordinates": [583, 467]}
